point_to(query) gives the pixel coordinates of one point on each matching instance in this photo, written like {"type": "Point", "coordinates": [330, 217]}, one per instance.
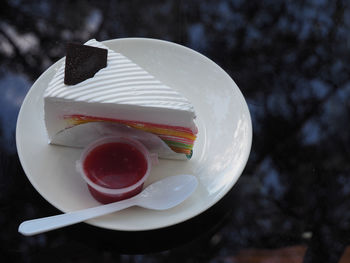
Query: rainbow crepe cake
{"type": "Point", "coordinates": [120, 99]}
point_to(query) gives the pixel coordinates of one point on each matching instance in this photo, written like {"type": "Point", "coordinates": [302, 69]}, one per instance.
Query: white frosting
{"type": "Point", "coordinates": [121, 82]}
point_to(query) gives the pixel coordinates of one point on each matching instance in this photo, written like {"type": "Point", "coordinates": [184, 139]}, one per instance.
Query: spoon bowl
{"type": "Point", "coordinates": [161, 195]}
{"type": "Point", "coordinates": [167, 193]}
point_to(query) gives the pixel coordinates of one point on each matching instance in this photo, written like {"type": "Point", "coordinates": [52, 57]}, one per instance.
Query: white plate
{"type": "Point", "coordinates": [220, 153]}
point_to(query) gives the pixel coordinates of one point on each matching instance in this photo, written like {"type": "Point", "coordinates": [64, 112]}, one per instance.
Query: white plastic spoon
{"type": "Point", "coordinates": [161, 195]}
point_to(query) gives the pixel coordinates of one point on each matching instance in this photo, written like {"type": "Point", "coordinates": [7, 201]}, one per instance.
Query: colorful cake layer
{"type": "Point", "coordinates": [179, 139]}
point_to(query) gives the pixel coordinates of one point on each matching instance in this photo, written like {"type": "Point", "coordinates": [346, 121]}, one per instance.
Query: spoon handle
{"type": "Point", "coordinates": [40, 225]}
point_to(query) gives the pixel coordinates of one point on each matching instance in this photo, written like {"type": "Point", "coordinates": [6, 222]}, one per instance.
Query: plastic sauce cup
{"type": "Point", "coordinates": [115, 168]}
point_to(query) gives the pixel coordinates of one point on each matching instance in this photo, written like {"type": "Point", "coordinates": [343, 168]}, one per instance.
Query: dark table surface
{"type": "Point", "coordinates": [291, 61]}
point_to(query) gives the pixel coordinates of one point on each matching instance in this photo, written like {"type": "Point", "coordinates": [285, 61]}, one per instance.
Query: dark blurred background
{"type": "Point", "coordinates": [291, 61]}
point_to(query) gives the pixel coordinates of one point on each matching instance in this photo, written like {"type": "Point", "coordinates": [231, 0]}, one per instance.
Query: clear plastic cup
{"type": "Point", "coordinates": [106, 193]}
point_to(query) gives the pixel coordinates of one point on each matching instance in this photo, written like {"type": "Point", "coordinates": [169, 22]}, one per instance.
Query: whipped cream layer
{"type": "Point", "coordinates": [122, 82]}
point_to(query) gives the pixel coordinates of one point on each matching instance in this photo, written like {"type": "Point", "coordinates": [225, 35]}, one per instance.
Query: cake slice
{"type": "Point", "coordinates": [120, 98]}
